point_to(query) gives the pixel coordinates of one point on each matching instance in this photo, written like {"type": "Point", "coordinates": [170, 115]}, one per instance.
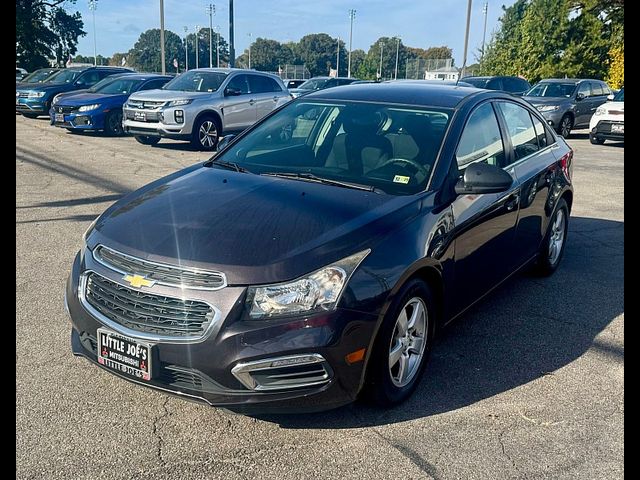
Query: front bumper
{"type": "Point", "coordinates": [603, 130]}
{"type": "Point", "coordinates": [553, 117]}
{"type": "Point", "coordinates": [158, 123]}
{"type": "Point", "coordinates": [32, 105]}
{"type": "Point", "coordinates": [203, 370]}
{"type": "Point", "coordinates": [92, 120]}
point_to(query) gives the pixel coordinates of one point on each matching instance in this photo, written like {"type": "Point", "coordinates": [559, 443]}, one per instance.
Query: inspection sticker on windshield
{"type": "Point", "coordinates": [400, 179]}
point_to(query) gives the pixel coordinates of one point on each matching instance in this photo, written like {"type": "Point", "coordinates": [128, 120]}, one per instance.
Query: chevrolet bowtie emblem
{"type": "Point", "coordinates": [138, 281]}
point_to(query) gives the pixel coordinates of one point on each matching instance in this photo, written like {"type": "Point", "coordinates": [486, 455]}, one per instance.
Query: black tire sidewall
{"type": "Point", "coordinates": [380, 388]}
{"type": "Point", "coordinates": [195, 140]}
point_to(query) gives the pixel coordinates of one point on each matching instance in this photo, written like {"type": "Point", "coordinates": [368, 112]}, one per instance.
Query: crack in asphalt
{"type": "Point", "coordinates": [504, 451]}
{"type": "Point", "coordinates": [156, 434]}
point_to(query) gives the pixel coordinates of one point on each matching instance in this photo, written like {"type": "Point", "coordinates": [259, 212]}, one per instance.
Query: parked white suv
{"type": "Point", "coordinates": [608, 121]}
{"type": "Point", "coordinates": [203, 104]}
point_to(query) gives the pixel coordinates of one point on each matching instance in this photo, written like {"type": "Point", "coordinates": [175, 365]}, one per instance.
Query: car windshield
{"type": "Point", "coordinates": [551, 89]}
{"type": "Point", "coordinates": [65, 76]}
{"type": "Point", "coordinates": [384, 148]}
{"type": "Point", "coordinates": [619, 97]}
{"type": "Point", "coordinates": [117, 86]}
{"type": "Point", "coordinates": [477, 82]}
{"type": "Point", "coordinates": [194, 81]}
{"type": "Point", "coordinates": [38, 76]}
{"type": "Point", "coordinates": [312, 84]}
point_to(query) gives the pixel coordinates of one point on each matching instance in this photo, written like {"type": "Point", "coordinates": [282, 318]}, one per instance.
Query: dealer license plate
{"type": "Point", "coordinates": [124, 355]}
{"type": "Point", "coordinates": [59, 117]}
{"type": "Point", "coordinates": [140, 116]}
{"type": "Point", "coordinates": [617, 128]}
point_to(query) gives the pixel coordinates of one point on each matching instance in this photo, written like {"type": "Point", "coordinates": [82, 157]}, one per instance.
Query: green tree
{"type": "Point", "coordinates": [317, 51]}
{"type": "Point", "coordinates": [145, 54]}
{"type": "Point", "coordinates": [266, 55]}
{"type": "Point", "coordinates": [116, 59]}
{"type": "Point", "coordinates": [370, 68]}
{"type": "Point", "coordinates": [429, 53]}
{"type": "Point", "coordinates": [203, 50]}
{"type": "Point", "coordinates": [357, 58]}
{"type": "Point", "coordinates": [45, 30]}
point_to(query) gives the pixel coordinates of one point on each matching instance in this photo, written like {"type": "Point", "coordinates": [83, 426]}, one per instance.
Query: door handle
{"type": "Point", "coordinates": [252, 101]}
{"type": "Point", "coordinates": [275, 99]}
{"type": "Point", "coordinates": [512, 202]}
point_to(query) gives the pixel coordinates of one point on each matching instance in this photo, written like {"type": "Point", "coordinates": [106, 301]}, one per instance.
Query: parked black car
{"type": "Point", "coordinates": [320, 83]}
{"type": "Point", "coordinates": [314, 258]}
{"type": "Point", "coordinates": [568, 103]}
{"type": "Point", "coordinates": [293, 83]}
{"type": "Point", "coordinates": [514, 85]}
{"type": "Point", "coordinates": [35, 100]}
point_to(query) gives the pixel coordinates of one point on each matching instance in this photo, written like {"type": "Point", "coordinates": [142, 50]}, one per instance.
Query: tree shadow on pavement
{"type": "Point", "coordinates": [528, 328]}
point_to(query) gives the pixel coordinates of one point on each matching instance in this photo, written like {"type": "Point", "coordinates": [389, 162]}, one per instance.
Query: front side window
{"type": "Point", "coordinates": [154, 84]}
{"type": "Point", "coordinates": [65, 76]}
{"type": "Point", "coordinates": [619, 96]}
{"type": "Point", "coordinates": [314, 84]}
{"type": "Point", "coordinates": [196, 81]}
{"type": "Point", "coordinates": [520, 128]}
{"type": "Point", "coordinates": [391, 149]}
{"type": "Point", "coordinates": [239, 83]}
{"type": "Point", "coordinates": [585, 89]}
{"type": "Point", "coordinates": [90, 78]}
{"type": "Point", "coordinates": [481, 140]}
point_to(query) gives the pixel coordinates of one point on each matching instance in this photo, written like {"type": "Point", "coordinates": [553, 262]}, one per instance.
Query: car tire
{"type": "Point", "coordinates": [206, 133]}
{"type": "Point", "coordinates": [595, 140]}
{"type": "Point", "coordinates": [554, 241]}
{"type": "Point", "coordinates": [113, 123]}
{"type": "Point", "coordinates": [30, 115]}
{"type": "Point", "coordinates": [386, 385]}
{"type": "Point", "coordinates": [146, 140]}
{"type": "Point", "coordinates": [565, 126]}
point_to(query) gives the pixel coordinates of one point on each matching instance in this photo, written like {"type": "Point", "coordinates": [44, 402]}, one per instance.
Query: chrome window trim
{"type": "Point", "coordinates": [136, 334]}
{"type": "Point", "coordinates": [195, 270]}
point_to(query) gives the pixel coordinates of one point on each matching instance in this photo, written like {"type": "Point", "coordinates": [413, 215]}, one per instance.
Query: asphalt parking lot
{"type": "Point", "coordinates": [529, 384]}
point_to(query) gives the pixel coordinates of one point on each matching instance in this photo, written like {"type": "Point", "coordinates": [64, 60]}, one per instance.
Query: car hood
{"type": "Point", "coordinates": [619, 106]}
{"type": "Point", "coordinates": [49, 87]}
{"type": "Point", "coordinates": [546, 100]}
{"type": "Point", "coordinates": [255, 229]}
{"type": "Point", "coordinates": [78, 99]}
{"type": "Point", "coordinates": [160, 95]}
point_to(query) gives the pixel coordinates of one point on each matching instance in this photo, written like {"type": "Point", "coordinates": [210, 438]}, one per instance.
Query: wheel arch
{"type": "Point", "coordinates": [208, 113]}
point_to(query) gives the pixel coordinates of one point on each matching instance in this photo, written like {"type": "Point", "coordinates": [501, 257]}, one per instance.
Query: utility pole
{"type": "Point", "coordinates": [232, 50]}
{"type": "Point", "coordinates": [162, 36]}
{"type": "Point", "coordinates": [395, 77]}
{"type": "Point", "coordinates": [92, 6]}
{"type": "Point", "coordinates": [381, 49]}
{"type": "Point", "coordinates": [352, 15]}
{"type": "Point", "coordinates": [466, 40]}
{"type": "Point", "coordinates": [485, 9]}
{"type": "Point", "coordinates": [197, 44]}
{"type": "Point", "coordinates": [211, 9]}
{"type": "Point", "coordinates": [249, 35]}
{"type": "Point", "coordinates": [218, 46]}
{"type": "Point", "coordinates": [186, 50]}
{"type": "Point", "coordinates": [338, 60]}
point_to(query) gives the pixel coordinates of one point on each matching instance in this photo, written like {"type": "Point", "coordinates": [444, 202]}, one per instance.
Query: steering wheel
{"type": "Point", "coordinates": [419, 167]}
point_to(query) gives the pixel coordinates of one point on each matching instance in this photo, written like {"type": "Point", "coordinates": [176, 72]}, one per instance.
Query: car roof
{"type": "Point", "coordinates": [486, 77]}
{"type": "Point", "coordinates": [139, 76]}
{"type": "Point", "coordinates": [569, 80]}
{"type": "Point", "coordinates": [426, 95]}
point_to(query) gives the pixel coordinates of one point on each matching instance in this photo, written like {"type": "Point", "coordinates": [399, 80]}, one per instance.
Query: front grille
{"type": "Point", "coordinates": [146, 312]}
{"type": "Point", "coordinates": [145, 104]}
{"type": "Point", "coordinates": [604, 126]}
{"type": "Point", "coordinates": [65, 109]}
{"type": "Point", "coordinates": [149, 116]}
{"type": "Point", "coordinates": [161, 273]}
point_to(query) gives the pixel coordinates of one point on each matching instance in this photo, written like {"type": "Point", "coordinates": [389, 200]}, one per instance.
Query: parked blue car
{"type": "Point", "coordinates": [100, 107]}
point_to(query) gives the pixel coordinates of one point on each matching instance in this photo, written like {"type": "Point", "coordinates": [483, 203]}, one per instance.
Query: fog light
{"type": "Point", "coordinates": [179, 116]}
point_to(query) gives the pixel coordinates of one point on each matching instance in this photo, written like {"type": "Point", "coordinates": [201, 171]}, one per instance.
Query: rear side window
{"type": "Point", "coordinates": [520, 128]}
{"type": "Point", "coordinates": [91, 78]}
{"type": "Point", "coordinates": [541, 133]}
{"type": "Point", "coordinates": [260, 84]}
{"type": "Point", "coordinates": [481, 140]}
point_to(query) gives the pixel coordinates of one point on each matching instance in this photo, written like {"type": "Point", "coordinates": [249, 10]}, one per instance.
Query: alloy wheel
{"type": "Point", "coordinates": [565, 127]}
{"type": "Point", "coordinates": [408, 341]}
{"type": "Point", "coordinates": [208, 134]}
{"type": "Point", "coordinates": [556, 239]}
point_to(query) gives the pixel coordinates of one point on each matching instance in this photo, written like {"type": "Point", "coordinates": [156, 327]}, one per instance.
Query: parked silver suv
{"type": "Point", "coordinates": [203, 104]}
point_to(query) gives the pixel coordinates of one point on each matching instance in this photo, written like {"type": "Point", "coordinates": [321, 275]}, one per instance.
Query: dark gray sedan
{"type": "Point", "coordinates": [568, 103]}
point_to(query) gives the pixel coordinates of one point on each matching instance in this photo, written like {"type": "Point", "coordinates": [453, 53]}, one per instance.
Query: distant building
{"type": "Point", "coordinates": [431, 69]}
{"type": "Point", "coordinates": [442, 73]}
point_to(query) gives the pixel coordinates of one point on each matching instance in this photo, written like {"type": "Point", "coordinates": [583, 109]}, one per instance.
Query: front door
{"type": "Point", "coordinates": [485, 225]}
{"type": "Point", "coordinates": [583, 107]}
{"type": "Point", "coordinates": [239, 111]}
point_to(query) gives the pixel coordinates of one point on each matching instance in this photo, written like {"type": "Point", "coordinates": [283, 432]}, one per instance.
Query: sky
{"type": "Point", "coordinates": [419, 23]}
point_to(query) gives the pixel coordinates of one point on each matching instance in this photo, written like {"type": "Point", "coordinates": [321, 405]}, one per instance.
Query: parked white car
{"type": "Point", "coordinates": [608, 121]}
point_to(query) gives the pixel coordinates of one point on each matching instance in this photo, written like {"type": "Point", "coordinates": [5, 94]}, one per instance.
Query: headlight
{"type": "Point", "coordinates": [86, 108]}
{"type": "Point", "coordinates": [547, 108]}
{"type": "Point", "coordinates": [316, 292]}
{"type": "Point", "coordinates": [600, 111]}
{"type": "Point", "coordinates": [56, 99]}
{"type": "Point", "coordinates": [17, 93]}
{"type": "Point", "coordinates": [36, 94]}
{"type": "Point", "coordinates": [177, 103]}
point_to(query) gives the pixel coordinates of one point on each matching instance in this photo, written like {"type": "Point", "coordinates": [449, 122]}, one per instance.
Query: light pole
{"type": "Point", "coordinates": [338, 59]}
{"type": "Point", "coordinates": [352, 15]}
{"type": "Point", "coordinates": [211, 9]}
{"type": "Point", "coordinates": [249, 35]}
{"type": "Point", "coordinates": [162, 37]}
{"type": "Point", "coordinates": [218, 46]}
{"type": "Point", "coordinates": [186, 50]}
{"type": "Point", "coordinates": [232, 50]}
{"type": "Point", "coordinates": [92, 6]}
{"type": "Point", "coordinates": [466, 41]}
{"type": "Point", "coordinates": [395, 77]}
{"type": "Point", "coordinates": [197, 45]}
{"type": "Point", "coordinates": [485, 9]}
{"type": "Point", "coordinates": [381, 50]}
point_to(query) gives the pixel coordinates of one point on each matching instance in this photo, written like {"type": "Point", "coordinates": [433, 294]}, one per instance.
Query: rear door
{"type": "Point", "coordinates": [265, 92]}
{"type": "Point", "coordinates": [583, 107]}
{"type": "Point", "coordinates": [238, 111]}
{"type": "Point", "coordinates": [485, 224]}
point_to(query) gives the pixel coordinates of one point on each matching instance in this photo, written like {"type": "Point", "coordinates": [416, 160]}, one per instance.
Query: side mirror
{"type": "Point", "coordinates": [481, 178]}
{"type": "Point", "coordinates": [580, 96]}
{"type": "Point", "coordinates": [610, 97]}
{"type": "Point", "coordinates": [226, 140]}
{"type": "Point", "coordinates": [231, 92]}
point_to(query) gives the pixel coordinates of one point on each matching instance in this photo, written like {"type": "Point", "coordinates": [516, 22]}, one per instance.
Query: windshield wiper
{"type": "Point", "coordinates": [229, 166]}
{"type": "Point", "coordinates": [310, 177]}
